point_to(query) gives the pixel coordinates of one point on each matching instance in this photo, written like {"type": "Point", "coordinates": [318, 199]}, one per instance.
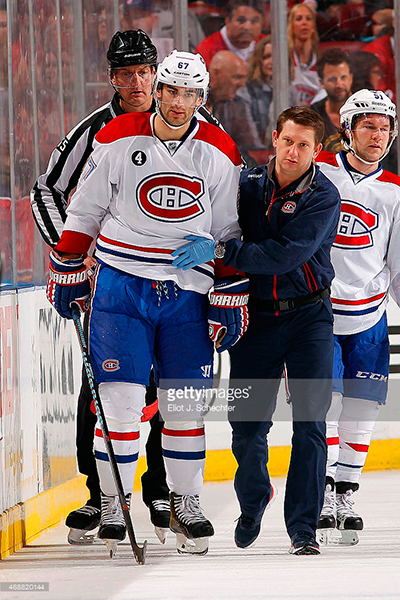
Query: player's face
{"type": "Point", "coordinates": [244, 26]}
{"type": "Point", "coordinates": [337, 81]}
{"type": "Point", "coordinates": [177, 104]}
{"type": "Point", "coordinates": [134, 84]}
{"type": "Point", "coordinates": [295, 149]}
{"type": "Point", "coordinates": [371, 137]}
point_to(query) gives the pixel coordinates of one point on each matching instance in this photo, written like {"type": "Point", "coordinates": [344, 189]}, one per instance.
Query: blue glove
{"type": "Point", "coordinates": [200, 250]}
{"type": "Point", "coordinates": [67, 283]}
{"type": "Point", "coordinates": [228, 317]}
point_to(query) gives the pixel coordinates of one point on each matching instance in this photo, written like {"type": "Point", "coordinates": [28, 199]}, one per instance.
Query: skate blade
{"type": "Point", "coordinates": [111, 546]}
{"type": "Point", "coordinates": [186, 545]}
{"type": "Point", "coordinates": [337, 537]}
{"type": "Point", "coordinates": [161, 533]}
{"type": "Point", "coordinates": [80, 537]}
{"type": "Point", "coordinates": [347, 537]}
{"type": "Point", "coordinates": [324, 536]}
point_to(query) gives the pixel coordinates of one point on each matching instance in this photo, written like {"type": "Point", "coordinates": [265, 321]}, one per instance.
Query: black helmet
{"type": "Point", "coordinates": [133, 47]}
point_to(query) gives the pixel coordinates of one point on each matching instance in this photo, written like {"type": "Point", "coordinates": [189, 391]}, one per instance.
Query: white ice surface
{"type": "Point", "coordinates": [370, 570]}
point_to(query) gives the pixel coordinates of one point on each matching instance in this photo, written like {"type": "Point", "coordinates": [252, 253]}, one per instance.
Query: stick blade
{"type": "Point", "coordinates": [140, 553]}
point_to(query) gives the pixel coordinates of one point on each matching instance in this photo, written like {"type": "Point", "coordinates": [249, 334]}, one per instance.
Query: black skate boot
{"type": "Point", "coordinates": [348, 522]}
{"type": "Point", "coordinates": [81, 521]}
{"type": "Point", "coordinates": [327, 519]}
{"type": "Point", "coordinates": [112, 523]}
{"type": "Point", "coordinates": [190, 525]}
{"type": "Point", "coordinates": [160, 516]}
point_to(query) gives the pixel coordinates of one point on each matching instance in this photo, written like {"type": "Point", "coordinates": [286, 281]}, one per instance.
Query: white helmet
{"type": "Point", "coordinates": [184, 69]}
{"type": "Point", "coordinates": [367, 102]}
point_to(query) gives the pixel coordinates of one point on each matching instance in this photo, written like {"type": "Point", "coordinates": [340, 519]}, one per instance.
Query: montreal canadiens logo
{"type": "Point", "coordinates": [170, 197]}
{"type": "Point", "coordinates": [289, 207]}
{"type": "Point", "coordinates": [110, 365]}
{"type": "Point", "coordinates": [356, 225]}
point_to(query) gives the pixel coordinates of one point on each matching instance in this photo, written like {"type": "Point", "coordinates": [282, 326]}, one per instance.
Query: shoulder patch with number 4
{"type": "Point", "coordinates": [289, 206]}
{"type": "Point", "coordinates": [139, 158]}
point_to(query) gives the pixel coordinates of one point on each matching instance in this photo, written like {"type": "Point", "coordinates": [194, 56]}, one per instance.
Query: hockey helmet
{"type": "Point", "coordinates": [132, 47]}
{"type": "Point", "coordinates": [184, 69]}
{"type": "Point", "coordinates": [367, 102]}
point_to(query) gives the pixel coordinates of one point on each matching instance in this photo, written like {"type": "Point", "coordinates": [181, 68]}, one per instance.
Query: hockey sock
{"type": "Point", "coordinates": [355, 428]}
{"type": "Point", "coordinates": [125, 442]}
{"type": "Point", "coordinates": [184, 451]}
{"type": "Point", "coordinates": [332, 436]}
{"type": "Point", "coordinates": [122, 404]}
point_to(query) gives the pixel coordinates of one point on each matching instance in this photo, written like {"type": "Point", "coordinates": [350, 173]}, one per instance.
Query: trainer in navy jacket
{"type": "Point", "coordinates": [288, 232]}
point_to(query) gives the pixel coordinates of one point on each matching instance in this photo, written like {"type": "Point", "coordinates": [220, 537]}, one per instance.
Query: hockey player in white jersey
{"type": "Point", "coordinates": [132, 59]}
{"type": "Point", "coordinates": [366, 259]}
{"type": "Point", "coordinates": [151, 183]}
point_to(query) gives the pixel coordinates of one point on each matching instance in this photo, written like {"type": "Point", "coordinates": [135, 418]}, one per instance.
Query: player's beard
{"type": "Point", "coordinates": [176, 120]}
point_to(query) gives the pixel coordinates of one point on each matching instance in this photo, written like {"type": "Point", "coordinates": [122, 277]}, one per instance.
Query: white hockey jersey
{"type": "Point", "coordinates": [143, 196]}
{"type": "Point", "coordinates": [305, 83]}
{"type": "Point", "coordinates": [366, 252]}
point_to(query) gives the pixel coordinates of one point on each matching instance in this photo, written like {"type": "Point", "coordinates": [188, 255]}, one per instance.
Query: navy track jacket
{"type": "Point", "coordinates": [287, 234]}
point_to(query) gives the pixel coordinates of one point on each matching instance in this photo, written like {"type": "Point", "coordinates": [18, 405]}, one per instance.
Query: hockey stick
{"type": "Point", "coordinates": [138, 551]}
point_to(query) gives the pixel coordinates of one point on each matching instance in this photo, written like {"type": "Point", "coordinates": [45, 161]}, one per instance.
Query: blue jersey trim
{"type": "Point", "coordinates": [148, 260]}
{"type": "Point", "coordinates": [349, 313]}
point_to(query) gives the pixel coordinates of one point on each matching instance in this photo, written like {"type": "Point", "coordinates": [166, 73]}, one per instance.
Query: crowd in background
{"type": "Point", "coordinates": [335, 48]}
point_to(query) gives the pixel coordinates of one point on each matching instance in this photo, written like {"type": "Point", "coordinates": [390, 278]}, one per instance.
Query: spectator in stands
{"type": "Point", "coordinates": [303, 44]}
{"type": "Point", "coordinates": [333, 69]}
{"type": "Point", "coordinates": [258, 90]}
{"type": "Point", "coordinates": [156, 19]}
{"type": "Point", "coordinates": [241, 31]}
{"type": "Point", "coordinates": [383, 47]}
{"type": "Point", "coordinates": [382, 22]}
{"type": "Point", "coordinates": [366, 69]}
{"type": "Point", "coordinates": [228, 73]}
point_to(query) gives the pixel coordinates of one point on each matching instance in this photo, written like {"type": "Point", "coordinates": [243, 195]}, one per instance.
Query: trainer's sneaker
{"type": "Point", "coordinates": [190, 525]}
{"type": "Point", "coordinates": [346, 517]}
{"type": "Point", "coordinates": [160, 516]}
{"type": "Point", "coordinates": [304, 543]}
{"type": "Point", "coordinates": [112, 523]}
{"type": "Point", "coordinates": [248, 528]}
{"type": "Point", "coordinates": [80, 522]}
{"type": "Point", "coordinates": [327, 519]}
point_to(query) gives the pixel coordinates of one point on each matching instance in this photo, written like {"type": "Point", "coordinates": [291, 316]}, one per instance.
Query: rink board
{"type": "Point", "coordinates": [40, 372]}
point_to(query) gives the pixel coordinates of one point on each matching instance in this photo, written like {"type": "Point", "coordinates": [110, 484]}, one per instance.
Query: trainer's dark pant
{"type": "Point", "coordinates": [154, 484]}
{"type": "Point", "coordinates": [301, 339]}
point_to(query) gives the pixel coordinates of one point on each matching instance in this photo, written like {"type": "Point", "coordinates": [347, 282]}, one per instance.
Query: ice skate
{"type": "Point", "coordinates": [348, 522]}
{"type": "Point", "coordinates": [327, 519]}
{"type": "Point", "coordinates": [190, 525]}
{"type": "Point", "coordinates": [160, 515]}
{"type": "Point", "coordinates": [80, 522]}
{"type": "Point", "coordinates": [112, 523]}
